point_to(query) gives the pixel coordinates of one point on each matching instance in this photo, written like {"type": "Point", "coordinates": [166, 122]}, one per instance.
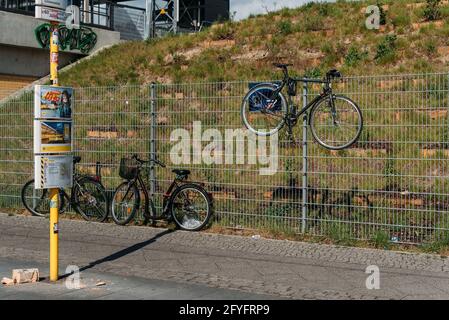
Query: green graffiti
{"type": "Point", "coordinates": [83, 39]}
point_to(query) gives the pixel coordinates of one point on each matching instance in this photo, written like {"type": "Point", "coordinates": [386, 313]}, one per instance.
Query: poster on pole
{"type": "Point", "coordinates": [52, 136]}
{"type": "Point", "coordinates": [53, 171]}
{"type": "Point", "coordinates": [53, 102]}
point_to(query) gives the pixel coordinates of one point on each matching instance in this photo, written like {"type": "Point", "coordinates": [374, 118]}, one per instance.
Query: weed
{"type": "Point", "coordinates": [381, 240]}
{"type": "Point", "coordinates": [385, 51]}
{"type": "Point", "coordinates": [355, 56]}
{"type": "Point", "coordinates": [432, 11]}
{"type": "Point", "coordinates": [285, 27]}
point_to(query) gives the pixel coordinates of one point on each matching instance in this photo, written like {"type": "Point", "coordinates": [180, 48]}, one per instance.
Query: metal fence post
{"type": "Point", "coordinates": [304, 159]}
{"type": "Point", "coordinates": [153, 137]}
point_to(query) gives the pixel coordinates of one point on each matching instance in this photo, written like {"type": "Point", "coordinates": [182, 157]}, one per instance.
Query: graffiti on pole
{"type": "Point", "coordinates": [83, 39]}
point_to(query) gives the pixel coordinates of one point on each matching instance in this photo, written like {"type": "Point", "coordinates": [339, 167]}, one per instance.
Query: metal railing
{"type": "Point", "coordinates": [393, 183]}
{"type": "Point", "coordinates": [128, 20]}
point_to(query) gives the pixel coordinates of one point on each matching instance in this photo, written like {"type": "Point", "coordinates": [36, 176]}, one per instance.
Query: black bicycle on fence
{"type": "Point", "coordinates": [88, 196]}
{"type": "Point", "coordinates": [335, 120]}
{"type": "Point", "coordinates": [188, 204]}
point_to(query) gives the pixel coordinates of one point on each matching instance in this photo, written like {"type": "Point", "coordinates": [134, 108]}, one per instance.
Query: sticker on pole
{"type": "Point", "coordinates": [53, 171]}
{"type": "Point", "coordinates": [53, 102]}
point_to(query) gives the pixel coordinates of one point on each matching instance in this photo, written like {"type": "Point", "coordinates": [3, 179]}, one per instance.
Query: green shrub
{"type": "Point", "coordinates": [381, 240]}
{"type": "Point", "coordinates": [324, 9]}
{"type": "Point", "coordinates": [386, 49]}
{"type": "Point", "coordinates": [354, 56]}
{"type": "Point", "coordinates": [285, 27]}
{"type": "Point", "coordinates": [432, 10]}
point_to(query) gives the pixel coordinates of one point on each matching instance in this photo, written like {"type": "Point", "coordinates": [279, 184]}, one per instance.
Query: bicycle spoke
{"type": "Point", "coordinates": [192, 210]}
{"type": "Point", "coordinates": [264, 111]}
{"type": "Point", "coordinates": [339, 128]}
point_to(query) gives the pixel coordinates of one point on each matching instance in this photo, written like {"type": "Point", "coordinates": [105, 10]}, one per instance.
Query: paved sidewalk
{"type": "Point", "coordinates": [107, 286]}
{"type": "Point", "coordinates": [280, 269]}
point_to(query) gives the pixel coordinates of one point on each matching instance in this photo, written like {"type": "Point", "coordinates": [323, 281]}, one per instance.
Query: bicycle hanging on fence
{"type": "Point", "coordinates": [188, 204]}
{"type": "Point", "coordinates": [335, 120]}
{"type": "Point", "coordinates": [88, 197]}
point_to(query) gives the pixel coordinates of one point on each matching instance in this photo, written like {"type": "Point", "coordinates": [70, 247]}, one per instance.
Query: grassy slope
{"type": "Point", "coordinates": [245, 50]}
{"type": "Point", "coordinates": [314, 37]}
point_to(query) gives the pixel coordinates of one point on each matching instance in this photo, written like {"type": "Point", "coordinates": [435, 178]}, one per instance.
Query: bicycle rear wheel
{"type": "Point", "coordinates": [263, 111]}
{"type": "Point", "coordinates": [37, 202]}
{"type": "Point", "coordinates": [125, 203]}
{"type": "Point", "coordinates": [191, 207]}
{"type": "Point", "coordinates": [91, 201]}
{"type": "Point", "coordinates": [336, 124]}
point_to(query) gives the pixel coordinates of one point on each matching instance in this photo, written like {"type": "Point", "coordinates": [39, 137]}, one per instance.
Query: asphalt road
{"type": "Point", "coordinates": [149, 263]}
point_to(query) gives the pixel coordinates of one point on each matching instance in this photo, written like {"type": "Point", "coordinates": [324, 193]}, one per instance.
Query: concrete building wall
{"type": "Point", "coordinates": [20, 53]}
{"type": "Point", "coordinates": [31, 62]}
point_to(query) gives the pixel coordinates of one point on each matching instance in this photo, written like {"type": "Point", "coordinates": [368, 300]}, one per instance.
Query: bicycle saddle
{"type": "Point", "coordinates": [180, 172]}
{"type": "Point", "coordinates": [331, 74]}
{"type": "Point", "coordinates": [282, 65]}
{"type": "Point", "coordinates": [76, 159]}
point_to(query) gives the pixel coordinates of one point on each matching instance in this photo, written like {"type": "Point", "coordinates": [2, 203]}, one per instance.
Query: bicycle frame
{"type": "Point", "coordinates": [287, 81]}
{"type": "Point", "coordinates": [141, 186]}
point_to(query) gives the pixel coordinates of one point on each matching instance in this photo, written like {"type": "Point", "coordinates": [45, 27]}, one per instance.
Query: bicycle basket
{"type": "Point", "coordinates": [128, 168]}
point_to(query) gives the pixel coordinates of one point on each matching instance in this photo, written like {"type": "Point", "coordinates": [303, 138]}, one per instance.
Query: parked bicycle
{"type": "Point", "coordinates": [188, 204]}
{"type": "Point", "coordinates": [88, 196]}
{"type": "Point", "coordinates": [335, 120]}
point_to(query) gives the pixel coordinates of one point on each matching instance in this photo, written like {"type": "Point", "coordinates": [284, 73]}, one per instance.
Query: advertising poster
{"type": "Point", "coordinates": [53, 102]}
{"type": "Point", "coordinates": [50, 14]}
{"type": "Point", "coordinates": [51, 136]}
{"type": "Point", "coordinates": [53, 171]}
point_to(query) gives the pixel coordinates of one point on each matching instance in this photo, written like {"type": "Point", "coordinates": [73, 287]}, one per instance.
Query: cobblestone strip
{"type": "Point", "coordinates": [280, 248]}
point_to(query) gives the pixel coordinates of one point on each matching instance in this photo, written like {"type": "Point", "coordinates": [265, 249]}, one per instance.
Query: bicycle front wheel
{"type": "Point", "coordinates": [37, 202]}
{"type": "Point", "coordinates": [125, 203]}
{"type": "Point", "coordinates": [263, 110]}
{"type": "Point", "coordinates": [191, 207]}
{"type": "Point", "coordinates": [91, 201]}
{"type": "Point", "coordinates": [336, 122]}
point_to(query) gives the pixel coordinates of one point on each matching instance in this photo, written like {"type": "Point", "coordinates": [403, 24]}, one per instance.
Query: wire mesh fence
{"type": "Point", "coordinates": [392, 183]}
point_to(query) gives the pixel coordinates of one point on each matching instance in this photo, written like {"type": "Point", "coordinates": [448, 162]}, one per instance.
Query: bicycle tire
{"type": "Point", "coordinates": [133, 209]}
{"type": "Point", "coordinates": [349, 142]}
{"type": "Point", "coordinates": [246, 107]}
{"type": "Point", "coordinates": [100, 197]}
{"type": "Point", "coordinates": [44, 194]}
{"type": "Point", "coordinates": [205, 195]}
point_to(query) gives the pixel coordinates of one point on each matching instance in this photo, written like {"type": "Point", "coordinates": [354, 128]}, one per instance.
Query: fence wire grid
{"type": "Point", "coordinates": [392, 183]}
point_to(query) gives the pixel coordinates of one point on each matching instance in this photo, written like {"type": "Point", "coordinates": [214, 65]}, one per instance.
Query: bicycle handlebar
{"type": "Point", "coordinates": [331, 74]}
{"type": "Point", "coordinates": [160, 163]}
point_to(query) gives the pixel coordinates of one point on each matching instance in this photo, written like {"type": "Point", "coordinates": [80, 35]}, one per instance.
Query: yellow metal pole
{"type": "Point", "coordinates": [54, 229]}
{"type": "Point", "coordinates": [54, 205]}
{"type": "Point", "coordinates": [54, 51]}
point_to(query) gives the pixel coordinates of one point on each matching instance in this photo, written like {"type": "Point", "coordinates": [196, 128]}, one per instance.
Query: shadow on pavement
{"type": "Point", "coordinates": [122, 253]}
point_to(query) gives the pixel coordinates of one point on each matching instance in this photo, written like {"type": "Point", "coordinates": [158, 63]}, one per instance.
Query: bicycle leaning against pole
{"type": "Point", "coordinates": [188, 204]}
{"type": "Point", "coordinates": [336, 121]}
{"type": "Point", "coordinates": [88, 196]}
